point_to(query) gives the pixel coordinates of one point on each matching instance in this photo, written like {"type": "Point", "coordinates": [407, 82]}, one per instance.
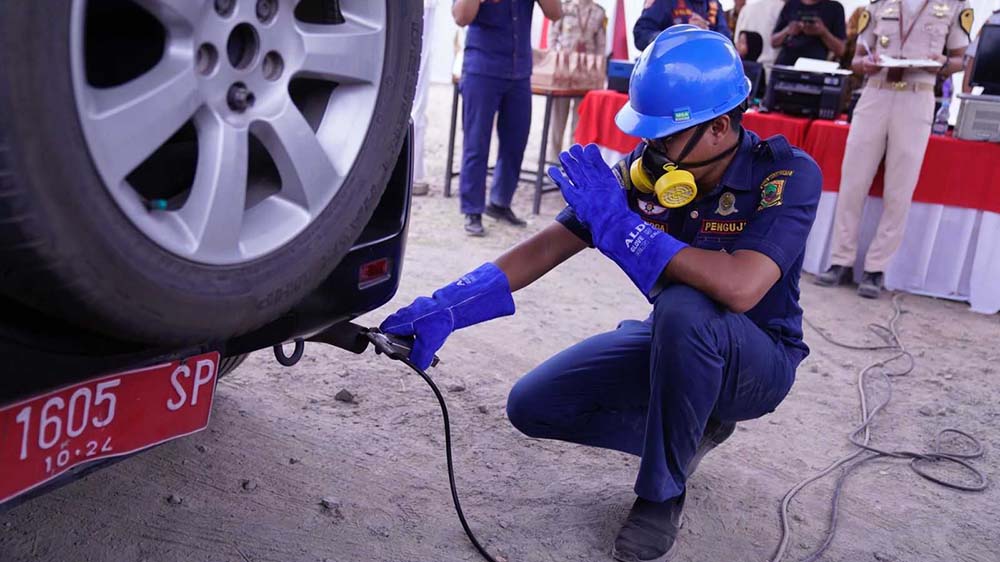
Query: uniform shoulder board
{"type": "Point", "coordinates": [863, 20]}
{"type": "Point", "coordinates": [965, 19]}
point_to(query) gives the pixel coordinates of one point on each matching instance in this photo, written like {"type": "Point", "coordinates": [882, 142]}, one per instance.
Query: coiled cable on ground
{"type": "Point", "coordinates": [860, 437]}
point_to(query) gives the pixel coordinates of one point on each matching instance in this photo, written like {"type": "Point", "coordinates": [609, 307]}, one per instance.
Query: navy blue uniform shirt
{"type": "Point", "coordinates": [766, 202]}
{"type": "Point", "coordinates": [499, 40]}
{"type": "Point", "coordinates": [665, 13]}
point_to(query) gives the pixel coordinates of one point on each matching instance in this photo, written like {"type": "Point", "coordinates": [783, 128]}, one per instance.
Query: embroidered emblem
{"type": "Point", "coordinates": [770, 194]}
{"type": "Point", "coordinates": [650, 208]}
{"type": "Point", "coordinates": [727, 204]}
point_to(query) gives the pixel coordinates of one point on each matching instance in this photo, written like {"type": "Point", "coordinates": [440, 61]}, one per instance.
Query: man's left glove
{"type": "Point", "coordinates": [478, 296]}
{"type": "Point", "coordinates": [641, 250]}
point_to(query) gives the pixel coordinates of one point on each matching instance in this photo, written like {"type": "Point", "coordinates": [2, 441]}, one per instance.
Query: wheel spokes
{"type": "Point", "coordinates": [214, 210]}
{"type": "Point", "coordinates": [129, 122]}
{"type": "Point", "coordinates": [308, 176]}
{"type": "Point", "coordinates": [344, 53]}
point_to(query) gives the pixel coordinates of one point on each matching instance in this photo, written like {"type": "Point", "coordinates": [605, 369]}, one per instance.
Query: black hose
{"type": "Point", "coordinates": [394, 354]}
{"type": "Point", "coordinates": [451, 469]}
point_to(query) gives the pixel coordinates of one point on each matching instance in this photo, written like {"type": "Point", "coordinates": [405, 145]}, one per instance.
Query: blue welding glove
{"type": "Point", "coordinates": [592, 190]}
{"type": "Point", "coordinates": [483, 294]}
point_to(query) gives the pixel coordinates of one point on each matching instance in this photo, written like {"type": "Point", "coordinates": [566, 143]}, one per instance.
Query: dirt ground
{"type": "Point", "coordinates": [250, 488]}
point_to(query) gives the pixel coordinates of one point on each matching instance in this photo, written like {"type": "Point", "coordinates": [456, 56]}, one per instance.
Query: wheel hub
{"type": "Point", "coordinates": [260, 41]}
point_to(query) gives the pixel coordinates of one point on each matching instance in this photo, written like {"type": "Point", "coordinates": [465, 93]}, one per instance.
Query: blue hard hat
{"type": "Point", "coordinates": [685, 77]}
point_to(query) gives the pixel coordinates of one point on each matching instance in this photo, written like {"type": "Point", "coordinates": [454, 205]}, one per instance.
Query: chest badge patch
{"type": "Point", "coordinates": [770, 194]}
{"type": "Point", "coordinates": [727, 204]}
{"type": "Point", "coordinates": [650, 208]}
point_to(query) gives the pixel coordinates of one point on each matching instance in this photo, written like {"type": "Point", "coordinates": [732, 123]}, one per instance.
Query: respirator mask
{"type": "Point", "coordinates": [674, 186]}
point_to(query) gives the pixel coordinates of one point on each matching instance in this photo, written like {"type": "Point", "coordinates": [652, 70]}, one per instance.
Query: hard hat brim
{"type": "Point", "coordinates": [631, 122]}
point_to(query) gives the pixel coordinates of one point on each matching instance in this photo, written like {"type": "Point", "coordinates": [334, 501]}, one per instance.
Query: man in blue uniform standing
{"type": "Point", "coordinates": [496, 83]}
{"type": "Point", "coordinates": [661, 14]}
{"type": "Point", "coordinates": [710, 224]}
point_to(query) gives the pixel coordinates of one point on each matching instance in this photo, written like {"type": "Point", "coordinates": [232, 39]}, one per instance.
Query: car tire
{"type": "Point", "coordinates": [69, 248]}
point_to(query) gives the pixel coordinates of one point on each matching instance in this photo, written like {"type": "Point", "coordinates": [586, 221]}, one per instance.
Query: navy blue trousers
{"type": "Point", "coordinates": [483, 99]}
{"type": "Point", "coordinates": [649, 388]}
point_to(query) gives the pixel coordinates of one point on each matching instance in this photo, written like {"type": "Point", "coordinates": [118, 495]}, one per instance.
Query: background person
{"type": "Point", "coordinates": [733, 15]}
{"type": "Point", "coordinates": [893, 118]}
{"type": "Point", "coordinates": [761, 17]}
{"type": "Point", "coordinates": [661, 14]}
{"type": "Point", "coordinates": [495, 84]}
{"type": "Point", "coordinates": [582, 29]}
{"type": "Point", "coordinates": [419, 111]}
{"type": "Point", "coordinates": [814, 29]}
{"type": "Point", "coordinates": [749, 45]}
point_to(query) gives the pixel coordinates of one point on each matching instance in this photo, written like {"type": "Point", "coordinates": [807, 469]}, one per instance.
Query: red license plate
{"type": "Point", "coordinates": [44, 436]}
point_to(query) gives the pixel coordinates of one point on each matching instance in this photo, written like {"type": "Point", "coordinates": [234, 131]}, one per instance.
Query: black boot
{"type": "Point", "coordinates": [474, 225]}
{"type": "Point", "coordinates": [836, 275]}
{"type": "Point", "coordinates": [504, 214]}
{"type": "Point", "coordinates": [651, 528]}
{"type": "Point", "coordinates": [871, 285]}
{"type": "Point", "coordinates": [649, 531]}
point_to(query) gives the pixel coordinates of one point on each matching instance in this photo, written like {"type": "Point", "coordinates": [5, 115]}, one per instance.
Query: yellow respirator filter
{"type": "Point", "coordinates": [674, 189]}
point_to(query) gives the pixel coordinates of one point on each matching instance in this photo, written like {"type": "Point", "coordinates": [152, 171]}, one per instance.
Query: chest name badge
{"type": "Point", "coordinates": [727, 204]}
{"type": "Point", "coordinates": [770, 194]}
{"type": "Point", "coordinates": [716, 226]}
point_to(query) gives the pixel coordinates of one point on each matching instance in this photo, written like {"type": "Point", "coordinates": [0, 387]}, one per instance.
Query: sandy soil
{"type": "Point", "coordinates": [250, 487]}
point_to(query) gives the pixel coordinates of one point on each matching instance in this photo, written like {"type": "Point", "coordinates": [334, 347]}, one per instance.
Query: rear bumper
{"type": "Point", "coordinates": [31, 350]}
{"type": "Point", "coordinates": [338, 299]}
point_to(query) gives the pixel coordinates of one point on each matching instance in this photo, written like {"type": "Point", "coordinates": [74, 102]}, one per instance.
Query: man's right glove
{"type": "Point", "coordinates": [591, 189]}
{"type": "Point", "coordinates": [478, 296]}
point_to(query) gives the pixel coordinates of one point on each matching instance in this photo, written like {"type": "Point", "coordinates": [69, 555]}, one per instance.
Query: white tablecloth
{"type": "Point", "coordinates": [947, 252]}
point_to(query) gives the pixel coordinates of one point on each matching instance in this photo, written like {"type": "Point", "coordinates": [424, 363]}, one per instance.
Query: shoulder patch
{"type": "Point", "coordinates": [965, 19]}
{"type": "Point", "coordinates": [770, 193]}
{"type": "Point", "coordinates": [863, 20]}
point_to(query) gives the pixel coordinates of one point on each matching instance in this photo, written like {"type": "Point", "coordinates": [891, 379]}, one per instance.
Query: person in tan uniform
{"type": "Point", "coordinates": [582, 30]}
{"type": "Point", "coordinates": [893, 119]}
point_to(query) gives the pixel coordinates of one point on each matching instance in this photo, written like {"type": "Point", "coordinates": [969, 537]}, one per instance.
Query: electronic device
{"type": "Point", "coordinates": [806, 93]}
{"type": "Point", "coordinates": [619, 74]}
{"type": "Point", "coordinates": [986, 70]}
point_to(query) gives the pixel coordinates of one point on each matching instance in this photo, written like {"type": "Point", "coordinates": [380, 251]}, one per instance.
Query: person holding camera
{"type": "Point", "coordinates": [812, 29]}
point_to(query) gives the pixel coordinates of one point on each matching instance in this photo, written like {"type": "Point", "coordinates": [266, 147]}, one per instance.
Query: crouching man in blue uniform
{"type": "Point", "coordinates": [710, 224]}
